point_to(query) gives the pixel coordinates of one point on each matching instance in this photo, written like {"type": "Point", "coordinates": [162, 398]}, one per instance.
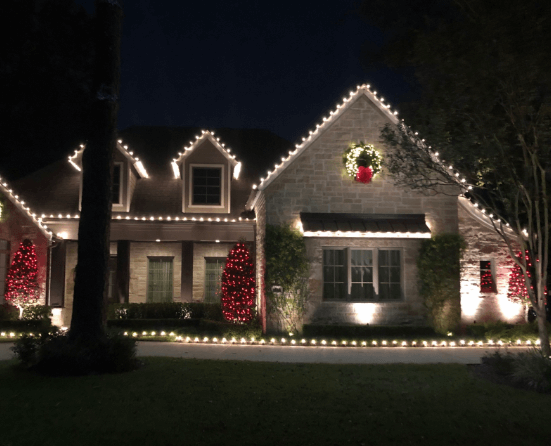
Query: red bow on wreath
{"type": "Point", "coordinates": [364, 174]}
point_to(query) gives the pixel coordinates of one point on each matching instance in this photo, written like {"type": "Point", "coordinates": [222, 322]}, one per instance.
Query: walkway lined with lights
{"type": "Point", "coordinates": [300, 354]}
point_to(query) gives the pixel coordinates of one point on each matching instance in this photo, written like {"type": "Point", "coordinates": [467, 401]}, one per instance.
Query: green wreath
{"type": "Point", "coordinates": [361, 155]}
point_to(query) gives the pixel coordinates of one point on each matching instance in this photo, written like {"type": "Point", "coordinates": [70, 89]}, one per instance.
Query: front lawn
{"type": "Point", "coordinates": [173, 401]}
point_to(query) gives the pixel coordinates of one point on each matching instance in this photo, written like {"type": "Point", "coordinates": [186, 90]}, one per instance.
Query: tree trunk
{"type": "Point", "coordinates": [90, 296]}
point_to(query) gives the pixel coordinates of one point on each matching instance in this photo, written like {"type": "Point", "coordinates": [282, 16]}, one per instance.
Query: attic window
{"type": "Point", "coordinates": [207, 186]}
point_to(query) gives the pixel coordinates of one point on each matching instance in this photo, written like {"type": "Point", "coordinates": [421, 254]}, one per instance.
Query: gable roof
{"type": "Point", "coordinates": [313, 135]}
{"type": "Point", "coordinates": [20, 204]}
{"type": "Point", "coordinates": [76, 158]}
{"type": "Point", "coordinates": [326, 122]}
{"type": "Point", "coordinates": [206, 135]}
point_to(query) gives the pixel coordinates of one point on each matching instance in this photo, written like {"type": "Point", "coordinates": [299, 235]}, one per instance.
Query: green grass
{"type": "Point", "coordinates": [192, 402]}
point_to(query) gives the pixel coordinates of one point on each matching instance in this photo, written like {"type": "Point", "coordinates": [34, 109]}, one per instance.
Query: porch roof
{"type": "Point", "coordinates": [364, 224]}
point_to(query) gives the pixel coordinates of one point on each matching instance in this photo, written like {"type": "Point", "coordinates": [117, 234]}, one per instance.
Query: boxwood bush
{"type": "Point", "coordinates": [168, 310]}
{"type": "Point", "coordinates": [367, 331]}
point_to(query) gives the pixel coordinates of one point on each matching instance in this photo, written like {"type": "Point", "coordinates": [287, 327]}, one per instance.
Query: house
{"type": "Point", "coordinates": [175, 217]}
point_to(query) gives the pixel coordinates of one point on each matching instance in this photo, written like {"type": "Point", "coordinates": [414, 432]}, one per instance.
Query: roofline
{"type": "Point", "coordinates": [20, 204]}
{"type": "Point", "coordinates": [361, 90]}
{"type": "Point", "coordinates": [135, 161]}
{"type": "Point", "coordinates": [199, 139]}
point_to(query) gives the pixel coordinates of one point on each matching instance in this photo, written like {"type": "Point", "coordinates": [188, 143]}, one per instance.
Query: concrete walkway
{"type": "Point", "coordinates": [328, 355]}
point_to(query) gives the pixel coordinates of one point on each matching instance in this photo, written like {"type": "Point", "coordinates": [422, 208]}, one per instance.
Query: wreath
{"type": "Point", "coordinates": [362, 162]}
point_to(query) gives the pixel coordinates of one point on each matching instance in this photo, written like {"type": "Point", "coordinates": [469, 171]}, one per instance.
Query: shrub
{"type": "Point", "coordinates": [41, 313]}
{"type": "Point", "coordinates": [501, 364]}
{"type": "Point", "coordinates": [8, 312]}
{"type": "Point", "coordinates": [152, 324]}
{"type": "Point", "coordinates": [57, 355]}
{"type": "Point", "coordinates": [169, 310]}
{"type": "Point", "coordinates": [230, 330]}
{"type": "Point", "coordinates": [439, 269]}
{"type": "Point", "coordinates": [533, 369]}
{"type": "Point", "coordinates": [286, 276]}
{"type": "Point", "coordinates": [366, 331]}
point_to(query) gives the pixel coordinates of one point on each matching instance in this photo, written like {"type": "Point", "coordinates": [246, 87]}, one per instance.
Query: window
{"type": "Point", "coordinates": [487, 282]}
{"type": "Point", "coordinates": [213, 278]}
{"type": "Point", "coordinates": [159, 279]}
{"type": "Point", "coordinates": [4, 264]}
{"type": "Point", "coordinates": [117, 183]}
{"type": "Point", "coordinates": [207, 186]}
{"type": "Point", "coordinates": [362, 275]}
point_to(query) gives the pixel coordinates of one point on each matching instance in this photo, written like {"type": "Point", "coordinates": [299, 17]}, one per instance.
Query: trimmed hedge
{"type": "Point", "coordinates": [154, 324]}
{"type": "Point", "coordinates": [228, 330]}
{"type": "Point", "coordinates": [506, 332]}
{"type": "Point", "coordinates": [169, 310]}
{"type": "Point", "coordinates": [366, 331]}
{"type": "Point", "coordinates": [23, 325]}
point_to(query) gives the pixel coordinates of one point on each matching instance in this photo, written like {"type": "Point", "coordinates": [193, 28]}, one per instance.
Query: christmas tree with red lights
{"type": "Point", "coordinates": [22, 288]}
{"type": "Point", "coordinates": [238, 286]}
{"type": "Point", "coordinates": [517, 291]}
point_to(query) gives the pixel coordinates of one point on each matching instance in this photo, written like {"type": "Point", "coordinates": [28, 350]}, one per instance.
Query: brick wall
{"type": "Point", "coordinates": [483, 243]}
{"type": "Point", "coordinates": [139, 253]}
{"type": "Point", "coordinates": [200, 251]}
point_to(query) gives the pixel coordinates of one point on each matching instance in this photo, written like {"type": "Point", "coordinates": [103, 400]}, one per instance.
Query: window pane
{"type": "Point", "coordinates": [361, 292]}
{"type": "Point", "coordinates": [384, 275]}
{"type": "Point", "coordinates": [383, 258]}
{"type": "Point", "coordinates": [487, 282]}
{"type": "Point", "coordinates": [394, 258]}
{"type": "Point", "coordinates": [213, 279]}
{"type": "Point", "coordinates": [160, 282]}
{"type": "Point", "coordinates": [334, 274]}
{"type": "Point", "coordinates": [395, 275]}
{"type": "Point", "coordinates": [384, 291]}
{"type": "Point", "coordinates": [395, 291]}
{"type": "Point", "coordinates": [207, 185]}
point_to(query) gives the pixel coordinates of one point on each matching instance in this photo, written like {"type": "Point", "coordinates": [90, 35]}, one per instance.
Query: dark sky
{"type": "Point", "coordinates": [244, 64]}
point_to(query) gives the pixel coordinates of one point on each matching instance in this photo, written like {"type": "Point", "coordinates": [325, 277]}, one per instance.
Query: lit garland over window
{"type": "Point", "coordinates": [362, 162]}
{"type": "Point", "coordinates": [238, 285]}
{"type": "Point", "coordinates": [22, 288]}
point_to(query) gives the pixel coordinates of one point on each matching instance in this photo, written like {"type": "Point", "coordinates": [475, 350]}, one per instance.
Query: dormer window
{"type": "Point", "coordinates": [117, 183]}
{"type": "Point", "coordinates": [207, 186]}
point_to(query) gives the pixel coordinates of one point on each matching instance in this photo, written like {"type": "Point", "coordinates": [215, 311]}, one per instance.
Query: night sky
{"type": "Point", "coordinates": [243, 64]}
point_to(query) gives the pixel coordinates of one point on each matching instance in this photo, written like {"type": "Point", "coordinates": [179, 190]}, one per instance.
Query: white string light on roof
{"type": "Point", "coordinates": [124, 148]}
{"type": "Point", "coordinates": [21, 205]}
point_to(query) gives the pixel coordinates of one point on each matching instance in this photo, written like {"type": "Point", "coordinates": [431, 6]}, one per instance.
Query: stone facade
{"type": "Point", "coordinates": [139, 253]}
{"type": "Point", "coordinates": [317, 182]}
{"type": "Point", "coordinates": [409, 310]}
{"type": "Point", "coordinates": [484, 244]}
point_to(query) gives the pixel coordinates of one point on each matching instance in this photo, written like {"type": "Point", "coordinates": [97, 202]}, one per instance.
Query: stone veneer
{"type": "Point", "coordinates": [483, 243]}
{"type": "Point", "coordinates": [316, 181]}
{"type": "Point", "coordinates": [200, 251]}
{"type": "Point", "coordinates": [409, 310]}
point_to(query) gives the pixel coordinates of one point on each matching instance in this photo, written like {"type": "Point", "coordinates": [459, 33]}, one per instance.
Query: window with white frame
{"type": "Point", "coordinates": [206, 186]}
{"type": "Point", "coordinates": [362, 275]}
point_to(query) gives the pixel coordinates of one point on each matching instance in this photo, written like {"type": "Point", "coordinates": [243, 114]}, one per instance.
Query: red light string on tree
{"type": "Point", "coordinates": [22, 288]}
{"type": "Point", "coordinates": [238, 286]}
{"type": "Point", "coordinates": [517, 291]}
